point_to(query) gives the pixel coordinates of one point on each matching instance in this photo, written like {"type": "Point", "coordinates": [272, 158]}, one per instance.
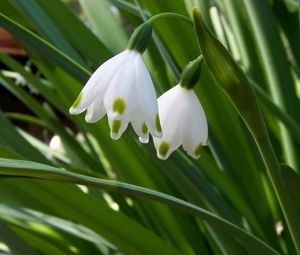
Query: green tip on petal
{"type": "Point", "coordinates": [197, 151]}
{"type": "Point", "coordinates": [163, 149]}
{"type": "Point", "coordinates": [119, 105]}
{"type": "Point", "coordinates": [77, 101]}
{"type": "Point", "coordinates": [157, 124]}
{"type": "Point", "coordinates": [116, 126]}
{"type": "Point", "coordinates": [144, 128]}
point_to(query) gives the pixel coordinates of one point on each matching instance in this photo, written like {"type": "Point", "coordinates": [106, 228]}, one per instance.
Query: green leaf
{"type": "Point", "coordinates": [292, 181]}
{"type": "Point", "coordinates": [79, 157]}
{"type": "Point", "coordinates": [26, 118]}
{"type": "Point", "coordinates": [111, 34]}
{"type": "Point", "coordinates": [55, 28]}
{"type": "Point", "coordinates": [235, 84]}
{"type": "Point", "coordinates": [47, 92]}
{"type": "Point", "coordinates": [47, 49]}
{"type": "Point", "coordinates": [270, 107]}
{"type": "Point", "coordinates": [35, 170]}
{"type": "Point", "coordinates": [10, 139]}
{"type": "Point", "coordinates": [230, 77]}
{"type": "Point", "coordinates": [82, 39]}
{"type": "Point", "coordinates": [54, 230]}
{"type": "Point", "coordinates": [21, 216]}
{"type": "Point", "coordinates": [276, 67]}
{"type": "Point", "coordinates": [46, 28]}
{"type": "Point", "coordinates": [62, 200]}
{"type": "Point", "coordinates": [15, 243]}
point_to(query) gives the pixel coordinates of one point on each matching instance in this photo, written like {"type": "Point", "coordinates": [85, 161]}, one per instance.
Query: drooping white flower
{"type": "Point", "coordinates": [121, 88]}
{"type": "Point", "coordinates": [183, 122]}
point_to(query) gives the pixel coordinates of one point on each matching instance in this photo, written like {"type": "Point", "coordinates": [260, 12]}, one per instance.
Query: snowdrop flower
{"type": "Point", "coordinates": [122, 88]}
{"type": "Point", "coordinates": [182, 118]}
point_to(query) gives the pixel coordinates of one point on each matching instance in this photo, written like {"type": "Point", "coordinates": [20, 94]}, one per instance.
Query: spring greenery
{"type": "Point", "coordinates": [73, 190]}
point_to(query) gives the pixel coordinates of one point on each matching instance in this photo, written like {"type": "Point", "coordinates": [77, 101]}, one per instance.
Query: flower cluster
{"type": "Point", "coordinates": [122, 88]}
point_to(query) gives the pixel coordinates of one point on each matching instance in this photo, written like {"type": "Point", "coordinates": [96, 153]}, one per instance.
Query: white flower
{"type": "Point", "coordinates": [183, 122]}
{"type": "Point", "coordinates": [122, 88]}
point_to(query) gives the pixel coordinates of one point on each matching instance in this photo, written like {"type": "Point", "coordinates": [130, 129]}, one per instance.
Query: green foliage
{"type": "Point", "coordinates": [93, 195]}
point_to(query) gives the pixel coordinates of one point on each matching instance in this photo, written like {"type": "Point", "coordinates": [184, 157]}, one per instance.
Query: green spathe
{"type": "Point", "coordinates": [229, 76]}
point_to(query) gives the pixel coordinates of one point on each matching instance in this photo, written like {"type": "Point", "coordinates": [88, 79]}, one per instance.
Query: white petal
{"type": "Point", "coordinates": [172, 110]}
{"type": "Point", "coordinates": [204, 129]}
{"type": "Point", "coordinates": [139, 126]}
{"type": "Point", "coordinates": [95, 111]}
{"type": "Point", "coordinates": [144, 140]}
{"type": "Point", "coordinates": [197, 131]}
{"type": "Point", "coordinates": [98, 82]}
{"type": "Point", "coordinates": [147, 97]}
{"type": "Point", "coordinates": [122, 89]}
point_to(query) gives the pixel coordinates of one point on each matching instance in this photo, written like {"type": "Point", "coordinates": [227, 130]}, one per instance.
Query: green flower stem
{"type": "Point", "coordinates": [156, 17]}
{"type": "Point", "coordinates": [141, 36]}
{"type": "Point", "coordinates": [236, 86]}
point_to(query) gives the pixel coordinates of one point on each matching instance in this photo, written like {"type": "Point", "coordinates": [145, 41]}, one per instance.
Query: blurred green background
{"type": "Point", "coordinates": [67, 188]}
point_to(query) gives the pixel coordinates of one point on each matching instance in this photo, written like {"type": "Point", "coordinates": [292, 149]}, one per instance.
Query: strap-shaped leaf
{"type": "Point", "coordinates": [19, 168]}
{"type": "Point", "coordinates": [48, 50]}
